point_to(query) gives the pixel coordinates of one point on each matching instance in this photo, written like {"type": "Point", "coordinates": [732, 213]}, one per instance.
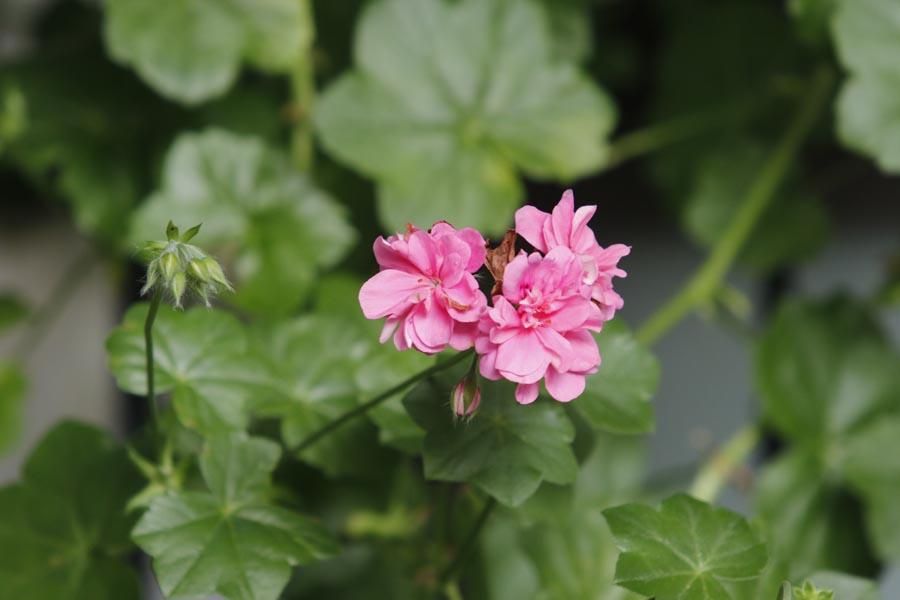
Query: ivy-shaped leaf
{"type": "Point", "coordinates": [444, 129]}
{"type": "Point", "coordinates": [252, 203]}
{"type": "Point", "coordinates": [202, 357]}
{"type": "Point", "coordinates": [191, 50]}
{"type": "Point", "coordinates": [506, 449]}
{"type": "Point", "coordinates": [231, 539]}
{"type": "Point", "coordinates": [64, 530]}
{"type": "Point", "coordinates": [685, 550]}
{"type": "Point", "coordinates": [617, 397]}
{"type": "Point", "coordinates": [12, 396]}
{"type": "Point", "coordinates": [867, 38]}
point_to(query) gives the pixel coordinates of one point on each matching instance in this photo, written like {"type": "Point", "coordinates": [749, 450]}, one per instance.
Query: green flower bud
{"type": "Point", "coordinates": [179, 269]}
{"type": "Point", "coordinates": [808, 591]}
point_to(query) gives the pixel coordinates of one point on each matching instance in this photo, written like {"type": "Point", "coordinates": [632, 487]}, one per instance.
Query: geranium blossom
{"type": "Point", "coordinates": [540, 327]}
{"type": "Point", "coordinates": [426, 289]}
{"type": "Point", "coordinates": [566, 227]}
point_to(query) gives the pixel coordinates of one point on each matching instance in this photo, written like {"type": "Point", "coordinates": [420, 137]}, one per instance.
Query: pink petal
{"type": "Point", "coordinates": [513, 276]}
{"type": "Point", "coordinates": [477, 248]}
{"type": "Point", "coordinates": [424, 253]}
{"type": "Point", "coordinates": [584, 350]}
{"type": "Point", "coordinates": [530, 225]}
{"type": "Point", "coordinates": [487, 366]}
{"type": "Point", "coordinates": [386, 292]}
{"type": "Point", "coordinates": [523, 358]}
{"type": "Point", "coordinates": [463, 336]}
{"type": "Point", "coordinates": [564, 387]}
{"type": "Point", "coordinates": [572, 314]}
{"type": "Point", "coordinates": [526, 393]}
{"type": "Point", "coordinates": [581, 239]}
{"type": "Point", "coordinates": [431, 327]}
{"type": "Point", "coordinates": [557, 346]}
{"type": "Point", "coordinates": [391, 254]}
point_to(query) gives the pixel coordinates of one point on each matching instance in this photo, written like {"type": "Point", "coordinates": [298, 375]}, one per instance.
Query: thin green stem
{"type": "Point", "coordinates": [39, 323]}
{"type": "Point", "coordinates": [658, 136]}
{"type": "Point", "coordinates": [704, 283]}
{"type": "Point", "coordinates": [148, 341]}
{"type": "Point", "coordinates": [303, 89]}
{"type": "Point", "coordinates": [718, 469]}
{"type": "Point", "coordinates": [370, 404]}
{"type": "Point", "coordinates": [465, 549]}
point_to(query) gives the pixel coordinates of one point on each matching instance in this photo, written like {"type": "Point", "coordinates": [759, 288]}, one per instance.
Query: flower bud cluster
{"type": "Point", "coordinates": [177, 268]}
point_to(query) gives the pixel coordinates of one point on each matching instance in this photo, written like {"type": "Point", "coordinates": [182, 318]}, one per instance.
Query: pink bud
{"type": "Point", "coordinates": [466, 397]}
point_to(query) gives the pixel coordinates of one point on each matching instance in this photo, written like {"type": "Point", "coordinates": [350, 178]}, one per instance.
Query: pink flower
{"type": "Point", "coordinates": [426, 288]}
{"type": "Point", "coordinates": [540, 327]}
{"type": "Point", "coordinates": [567, 228]}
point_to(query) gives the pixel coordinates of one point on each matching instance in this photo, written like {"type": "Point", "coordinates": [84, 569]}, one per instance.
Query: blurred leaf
{"type": "Point", "coordinates": [64, 529]}
{"type": "Point", "coordinates": [13, 115]}
{"type": "Point", "coordinates": [845, 587]}
{"type": "Point", "coordinates": [444, 129]}
{"type": "Point", "coordinates": [12, 398]}
{"type": "Point", "coordinates": [232, 539]}
{"type": "Point", "coordinates": [686, 549]}
{"type": "Point", "coordinates": [252, 204]}
{"type": "Point", "coordinates": [202, 358]}
{"type": "Point", "coordinates": [506, 449]}
{"type": "Point", "coordinates": [191, 51]}
{"type": "Point", "coordinates": [811, 522]}
{"type": "Point", "coordinates": [617, 398]}
{"type": "Point", "coordinates": [823, 369]}
{"type": "Point", "coordinates": [570, 28]}
{"type": "Point", "coordinates": [12, 311]}
{"type": "Point", "coordinates": [793, 227]}
{"type": "Point", "coordinates": [812, 18]}
{"type": "Point", "coordinates": [314, 359]}
{"type": "Point", "coordinates": [867, 38]}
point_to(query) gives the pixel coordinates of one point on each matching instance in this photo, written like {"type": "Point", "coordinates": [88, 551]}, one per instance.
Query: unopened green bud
{"type": "Point", "coordinates": [171, 232]}
{"type": "Point", "coordinates": [808, 591]}
{"type": "Point", "coordinates": [168, 264]}
{"type": "Point", "coordinates": [179, 282]}
{"type": "Point", "coordinates": [215, 272]}
{"type": "Point", "coordinates": [199, 270]}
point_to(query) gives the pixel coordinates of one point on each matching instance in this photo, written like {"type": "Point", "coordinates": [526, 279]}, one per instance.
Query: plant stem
{"type": "Point", "coordinates": [718, 469]}
{"type": "Point", "coordinates": [465, 548]}
{"type": "Point", "coordinates": [148, 346]}
{"type": "Point", "coordinates": [704, 283]}
{"type": "Point", "coordinates": [303, 89]}
{"type": "Point", "coordinates": [370, 404]}
{"type": "Point", "coordinates": [64, 290]}
{"type": "Point", "coordinates": [678, 129]}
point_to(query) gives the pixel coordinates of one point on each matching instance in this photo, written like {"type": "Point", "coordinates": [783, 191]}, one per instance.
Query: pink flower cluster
{"type": "Point", "coordinates": [545, 304]}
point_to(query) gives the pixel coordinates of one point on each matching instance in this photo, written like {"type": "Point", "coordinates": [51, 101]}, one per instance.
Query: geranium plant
{"type": "Point", "coordinates": [461, 411]}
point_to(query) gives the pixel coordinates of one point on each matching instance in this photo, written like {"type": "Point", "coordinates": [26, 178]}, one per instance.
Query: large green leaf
{"type": "Point", "coordinates": [506, 449]}
{"type": "Point", "coordinates": [444, 129]}
{"type": "Point", "coordinates": [314, 359]}
{"type": "Point", "coordinates": [828, 378]}
{"type": "Point", "coordinates": [685, 550]}
{"type": "Point", "coordinates": [231, 539]}
{"type": "Point", "coordinates": [12, 396]}
{"type": "Point", "coordinates": [12, 311]}
{"type": "Point", "coordinates": [191, 51]}
{"type": "Point", "coordinates": [278, 227]}
{"type": "Point", "coordinates": [867, 37]}
{"type": "Point", "coordinates": [617, 398]}
{"type": "Point", "coordinates": [203, 359]}
{"type": "Point", "coordinates": [64, 529]}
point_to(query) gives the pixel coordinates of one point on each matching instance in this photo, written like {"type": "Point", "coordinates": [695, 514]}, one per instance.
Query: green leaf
{"type": "Point", "coordinates": [686, 549]}
{"type": "Point", "coordinates": [250, 201]}
{"type": "Point", "coordinates": [506, 449]}
{"type": "Point", "coordinates": [12, 397]}
{"type": "Point", "coordinates": [445, 129]}
{"type": "Point", "coordinates": [812, 18]}
{"type": "Point", "coordinates": [232, 539]}
{"type": "Point", "coordinates": [867, 37]}
{"type": "Point", "coordinates": [845, 587]}
{"type": "Point", "coordinates": [793, 228]}
{"type": "Point", "coordinates": [202, 357]}
{"type": "Point", "coordinates": [191, 51]}
{"type": "Point", "coordinates": [617, 398]}
{"type": "Point", "coordinates": [329, 350]}
{"type": "Point", "coordinates": [64, 529]}
{"type": "Point", "coordinates": [12, 311]}
{"type": "Point", "coordinates": [824, 369]}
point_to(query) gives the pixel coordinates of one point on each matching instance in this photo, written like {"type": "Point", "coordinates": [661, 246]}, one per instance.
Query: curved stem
{"type": "Point", "coordinates": [465, 548]}
{"type": "Point", "coordinates": [718, 469]}
{"type": "Point", "coordinates": [148, 347]}
{"type": "Point", "coordinates": [370, 404]}
{"type": "Point", "coordinates": [704, 283]}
